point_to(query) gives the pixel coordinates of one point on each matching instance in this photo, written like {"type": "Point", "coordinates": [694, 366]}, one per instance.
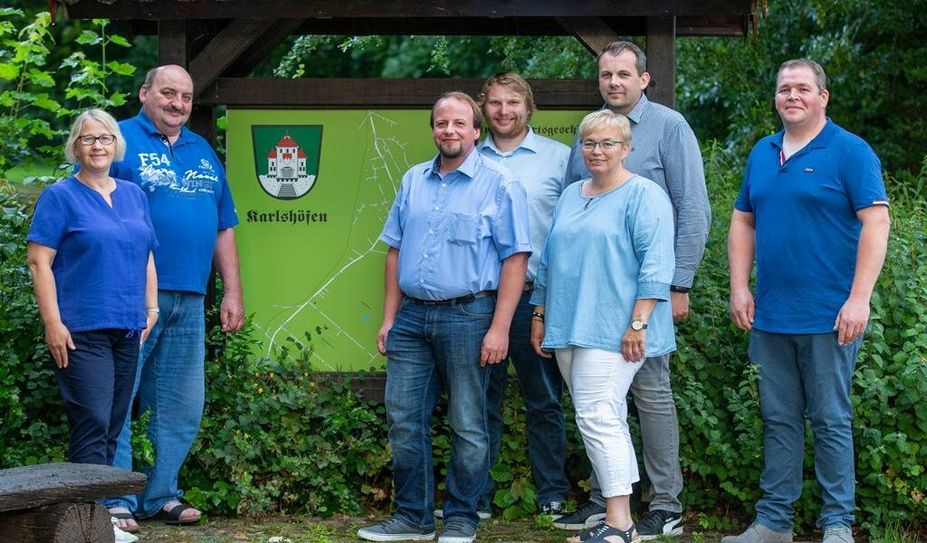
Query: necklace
{"type": "Point", "coordinates": [622, 179]}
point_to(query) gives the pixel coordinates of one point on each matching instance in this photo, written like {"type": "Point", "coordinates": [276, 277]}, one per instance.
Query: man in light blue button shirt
{"type": "Point", "coordinates": [458, 250]}
{"type": "Point", "coordinates": [539, 164]}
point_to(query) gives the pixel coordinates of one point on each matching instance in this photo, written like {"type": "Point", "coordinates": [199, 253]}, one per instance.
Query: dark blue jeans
{"type": "Point", "coordinates": [430, 347]}
{"type": "Point", "coordinates": [541, 388]}
{"type": "Point", "coordinates": [96, 388]}
{"type": "Point", "coordinates": [805, 375]}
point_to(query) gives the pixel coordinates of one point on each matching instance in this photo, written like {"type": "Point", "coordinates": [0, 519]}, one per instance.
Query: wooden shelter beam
{"type": "Point", "coordinates": [272, 9]}
{"type": "Point", "coordinates": [661, 59]}
{"type": "Point", "coordinates": [173, 43]}
{"type": "Point", "coordinates": [381, 93]}
{"type": "Point", "coordinates": [593, 32]}
{"type": "Point", "coordinates": [225, 48]}
{"type": "Point", "coordinates": [261, 49]}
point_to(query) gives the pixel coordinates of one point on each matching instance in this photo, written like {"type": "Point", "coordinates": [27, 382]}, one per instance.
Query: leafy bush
{"type": "Point", "coordinates": [280, 437]}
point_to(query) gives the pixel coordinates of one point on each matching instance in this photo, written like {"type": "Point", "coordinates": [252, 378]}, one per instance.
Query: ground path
{"type": "Point", "coordinates": [343, 530]}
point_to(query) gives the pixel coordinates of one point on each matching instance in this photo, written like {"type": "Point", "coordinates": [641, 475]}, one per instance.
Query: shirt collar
{"type": "Point", "coordinates": [529, 143]}
{"type": "Point", "coordinates": [467, 167]}
{"type": "Point", "coordinates": [151, 129]}
{"type": "Point", "coordinates": [638, 111]}
{"type": "Point", "coordinates": [820, 141]}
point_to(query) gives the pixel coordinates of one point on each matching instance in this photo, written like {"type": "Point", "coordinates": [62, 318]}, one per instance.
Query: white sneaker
{"type": "Point", "coordinates": [121, 536]}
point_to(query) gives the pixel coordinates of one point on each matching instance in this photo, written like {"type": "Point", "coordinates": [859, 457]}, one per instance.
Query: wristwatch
{"type": "Point", "coordinates": [637, 325]}
{"type": "Point", "coordinates": [682, 290]}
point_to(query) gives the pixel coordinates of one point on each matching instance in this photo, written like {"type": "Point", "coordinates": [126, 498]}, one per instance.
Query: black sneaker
{"type": "Point", "coordinates": [554, 508]}
{"type": "Point", "coordinates": [658, 522]}
{"type": "Point", "coordinates": [589, 515]}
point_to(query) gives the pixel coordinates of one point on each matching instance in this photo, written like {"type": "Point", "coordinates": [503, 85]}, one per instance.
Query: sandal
{"type": "Point", "coordinates": [128, 519]}
{"type": "Point", "coordinates": [603, 533]}
{"type": "Point", "coordinates": [173, 516]}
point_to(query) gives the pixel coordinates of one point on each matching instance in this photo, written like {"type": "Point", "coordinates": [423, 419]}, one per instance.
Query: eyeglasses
{"type": "Point", "coordinates": [105, 139]}
{"type": "Point", "coordinates": [606, 145]}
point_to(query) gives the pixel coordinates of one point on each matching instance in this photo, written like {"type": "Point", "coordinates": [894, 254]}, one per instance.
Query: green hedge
{"type": "Point", "coordinates": [278, 437]}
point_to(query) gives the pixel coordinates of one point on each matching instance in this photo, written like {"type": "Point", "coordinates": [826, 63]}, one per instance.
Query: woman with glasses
{"type": "Point", "coordinates": [601, 297]}
{"type": "Point", "coordinates": [90, 253]}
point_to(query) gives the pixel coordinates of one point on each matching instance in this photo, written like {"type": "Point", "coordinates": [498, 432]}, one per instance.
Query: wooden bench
{"type": "Point", "coordinates": [55, 503]}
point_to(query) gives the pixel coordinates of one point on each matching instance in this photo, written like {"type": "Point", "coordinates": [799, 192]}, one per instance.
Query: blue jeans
{"type": "Point", "coordinates": [169, 383]}
{"type": "Point", "coordinates": [430, 347]}
{"type": "Point", "coordinates": [541, 388]}
{"type": "Point", "coordinates": [656, 411]}
{"type": "Point", "coordinates": [96, 388]}
{"type": "Point", "coordinates": [805, 375]}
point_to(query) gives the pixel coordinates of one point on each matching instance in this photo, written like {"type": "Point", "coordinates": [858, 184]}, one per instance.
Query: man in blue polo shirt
{"type": "Point", "coordinates": [193, 215]}
{"type": "Point", "coordinates": [813, 214]}
{"type": "Point", "coordinates": [458, 251]}
{"type": "Point", "coordinates": [539, 164]}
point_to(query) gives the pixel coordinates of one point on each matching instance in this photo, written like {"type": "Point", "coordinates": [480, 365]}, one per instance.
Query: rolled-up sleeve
{"type": "Point", "coordinates": [511, 233]}
{"type": "Point", "coordinates": [651, 228]}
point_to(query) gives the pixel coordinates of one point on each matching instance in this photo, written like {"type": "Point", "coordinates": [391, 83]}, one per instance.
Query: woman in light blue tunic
{"type": "Point", "coordinates": [602, 303]}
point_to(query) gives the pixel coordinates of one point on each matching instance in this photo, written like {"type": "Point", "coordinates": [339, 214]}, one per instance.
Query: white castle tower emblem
{"type": "Point", "coordinates": [286, 170]}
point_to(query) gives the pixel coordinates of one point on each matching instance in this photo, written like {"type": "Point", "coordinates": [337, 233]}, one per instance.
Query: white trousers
{"type": "Point", "coordinates": [599, 382]}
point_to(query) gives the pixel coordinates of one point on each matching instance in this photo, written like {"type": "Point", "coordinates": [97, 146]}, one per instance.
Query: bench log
{"type": "Point", "coordinates": [55, 503]}
{"type": "Point", "coordinates": [45, 484]}
{"type": "Point", "coordinates": [58, 523]}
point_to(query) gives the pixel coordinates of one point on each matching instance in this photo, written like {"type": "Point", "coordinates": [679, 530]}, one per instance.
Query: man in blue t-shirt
{"type": "Point", "coordinates": [813, 212]}
{"type": "Point", "coordinates": [193, 215]}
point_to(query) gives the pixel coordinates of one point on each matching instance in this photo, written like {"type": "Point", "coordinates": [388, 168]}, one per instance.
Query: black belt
{"type": "Point", "coordinates": [459, 300]}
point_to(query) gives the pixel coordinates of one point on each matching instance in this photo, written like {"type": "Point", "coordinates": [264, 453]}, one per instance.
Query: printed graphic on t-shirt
{"type": "Point", "coordinates": [155, 171]}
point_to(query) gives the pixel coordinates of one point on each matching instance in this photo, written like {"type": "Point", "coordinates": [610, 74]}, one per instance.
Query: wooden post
{"type": "Point", "coordinates": [661, 60]}
{"type": "Point", "coordinates": [58, 523]}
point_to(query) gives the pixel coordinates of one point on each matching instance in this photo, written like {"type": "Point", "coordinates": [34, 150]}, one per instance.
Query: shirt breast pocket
{"type": "Point", "coordinates": [464, 228]}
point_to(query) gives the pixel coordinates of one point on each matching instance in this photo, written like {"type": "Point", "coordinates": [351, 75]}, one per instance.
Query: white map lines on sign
{"type": "Point", "coordinates": [385, 163]}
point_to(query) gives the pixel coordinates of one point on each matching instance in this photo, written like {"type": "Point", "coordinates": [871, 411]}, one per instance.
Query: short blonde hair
{"type": "Point", "coordinates": [608, 120]}
{"type": "Point", "coordinates": [513, 82]}
{"type": "Point", "coordinates": [101, 117]}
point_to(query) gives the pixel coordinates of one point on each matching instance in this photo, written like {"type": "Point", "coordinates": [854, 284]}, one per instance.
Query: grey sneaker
{"type": "Point", "coordinates": [555, 509]}
{"type": "Point", "coordinates": [589, 515]}
{"type": "Point", "coordinates": [457, 531]}
{"type": "Point", "coordinates": [658, 522]}
{"type": "Point", "coordinates": [395, 529]}
{"type": "Point", "coordinates": [484, 515]}
{"type": "Point", "coordinates": [757, 533]}
{"type": "Point", "coordinates": [838, 534]}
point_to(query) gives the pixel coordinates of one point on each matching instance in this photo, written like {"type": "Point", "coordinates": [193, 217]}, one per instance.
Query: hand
{"type": "Point", "coordinates": [851, 321]}
{"type": "Point", "coordinates": [633, 345]}
{"type": "Point", "coordinates": [742, 309]}
{"type": "Point", "coordinates": [150, 320]}
{"type": "Point", "coordinates": [231, 314]}
{"type": "Point", "coordinates": [59, 342]}
{"type": "Point", "coordinates": [381, 337]}
{"type": "Point", "coordinates": [680, 303]}
{"type": "Point", "coordinates": [537, 337]}
{"type": "Point", "coordinates": [495, 347]}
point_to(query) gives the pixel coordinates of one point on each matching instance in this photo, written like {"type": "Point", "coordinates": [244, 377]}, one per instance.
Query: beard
{"type": "Point", "coordinates": [450, 149]}
{"type": "Point", "coordinates": [516, 128]}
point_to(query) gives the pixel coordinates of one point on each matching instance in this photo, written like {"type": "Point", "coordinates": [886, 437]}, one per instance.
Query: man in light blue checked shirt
{"type": "Point", "coordinates": [458, 250]}
{"type": "Point", "coordinates": [539, 164]}
{"type": "Point", "coordinates": [664, 149]}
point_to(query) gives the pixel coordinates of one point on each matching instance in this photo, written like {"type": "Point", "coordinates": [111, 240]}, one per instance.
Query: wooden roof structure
{"type": "Point", "coordinates": [222, 41]}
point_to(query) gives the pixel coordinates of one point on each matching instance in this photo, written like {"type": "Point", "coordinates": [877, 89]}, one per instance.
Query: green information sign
{"type": "Point", "coordinates": [312, 189]}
